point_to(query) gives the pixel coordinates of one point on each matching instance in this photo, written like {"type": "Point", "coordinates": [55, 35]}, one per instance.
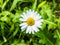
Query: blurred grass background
{"type": "Point", "coordinates": [10, 32]}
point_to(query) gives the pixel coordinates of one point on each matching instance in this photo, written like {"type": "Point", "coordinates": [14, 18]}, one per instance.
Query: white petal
{"type": "Point", "coordinates": [35, 29]}
{"type": "Point", "coordinates": [23, 24]}
{"type": "Point", "coordinates": [21, 19]}
{"type": "Point", "coordinates": [38, 24]}
{"type": "Point", "coordinates": [24, 16]}
{"type": "Point", "coordinates": [32, 31]}
{"type": "Point", "coordinates": [28, 14]}
{"type": "Point", "coordinates": [21, 15]}
{"type": "Point", "coordinates": [30, 10]}
{"type": "Point", "coordinates": [37, 17]}
{"type": "Point", "coordinates": [24, 27]}
{"type": "Point", "coordinates": [41, 20]}
{"type": "Point", "coordinates": [28, 30]}
{"type": "Point", "coordinates": [24, 13]}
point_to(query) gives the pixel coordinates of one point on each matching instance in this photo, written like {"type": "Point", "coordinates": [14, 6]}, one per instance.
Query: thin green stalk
{"type": "Point", "coordinates": [58, 34]}
{"type": "Point", "coordinates": [50, 22]}
{"type": "Point", "coordinates": [4, 4]}
{"type": "Point", "coordinates": [34, 5]}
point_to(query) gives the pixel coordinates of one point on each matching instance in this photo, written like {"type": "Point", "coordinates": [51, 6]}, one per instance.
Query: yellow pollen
{"type": "Point", "coordinates": [30, 21]}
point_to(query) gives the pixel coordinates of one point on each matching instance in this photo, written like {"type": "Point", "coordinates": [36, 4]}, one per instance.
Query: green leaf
{"type": "Point", "coordinates": [12, 28]}
{"type": "Point", "coordinates": [26, 0]}
{"type": "Point", "coordinates": [57, 36]}
{"type": "Point", "coordinates": [2, 28]}
{"type": "Point", "coordinates": [1, 3]}
{"type": "Point", "coordinates": [46, 37]}
{"type": "Point", "coordinates": [1, 42]}
{"type": "Point", "coordinates": [4, 4]}
{"type": "Point", "coordinates": [5, 16]}
{"type": "Point", "coordinates": [15, 32]}
{"type": "Point", "coordinates": [43, 41]}
{"type": "Point", "coordinates": [16, 1]}
{"type": "Point", "coordinates": [5, 40]}
{"type": "Point", "coordinates": [41, 4]}
{"type": "Point", "coordinates": [34, 5]}
{"type": "Point", "coordinates": [14, 4]}
{"type": "Point", "coordinates": [2, 31]}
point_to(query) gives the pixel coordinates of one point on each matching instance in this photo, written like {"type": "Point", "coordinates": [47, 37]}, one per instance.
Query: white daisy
{"type": "Point", "coordinates": [31, 21]}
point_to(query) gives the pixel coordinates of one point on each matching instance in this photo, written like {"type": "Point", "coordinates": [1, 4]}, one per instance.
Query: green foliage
{"type": "Point", "coordinates": [10, 31]}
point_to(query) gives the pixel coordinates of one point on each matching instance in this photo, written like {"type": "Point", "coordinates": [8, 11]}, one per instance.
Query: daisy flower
{"type": "Point", "coordinates": [31, 21]}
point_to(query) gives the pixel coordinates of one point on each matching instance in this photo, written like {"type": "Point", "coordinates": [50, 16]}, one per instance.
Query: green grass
{"type": "Point", "coordinates": [10, 31]}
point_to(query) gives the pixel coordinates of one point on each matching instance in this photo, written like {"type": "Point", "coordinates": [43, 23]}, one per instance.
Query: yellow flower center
{"type": "Point", "coordinates": [30, 21]}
